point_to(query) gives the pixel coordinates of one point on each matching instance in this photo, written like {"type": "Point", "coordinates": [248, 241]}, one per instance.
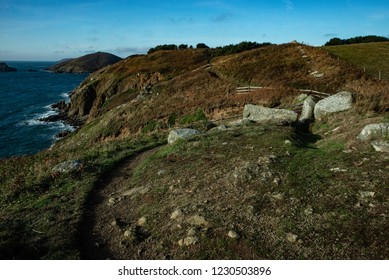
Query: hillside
{"type": "Point", "coordinates": [85, 64]}
{"type": "Point", "coordinates": [242, 190]}
{"type": "Point", "coordinates": [373, 57]}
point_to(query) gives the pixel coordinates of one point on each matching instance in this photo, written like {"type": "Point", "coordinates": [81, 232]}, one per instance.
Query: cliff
{"type": "Point", "coordinates": [85, 64]}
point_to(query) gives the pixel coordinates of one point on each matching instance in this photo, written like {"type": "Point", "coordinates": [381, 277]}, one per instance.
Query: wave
{"type": "Point", "coordinates": [36, 120]}
{"type": "Point", "coordinates": [65, 96]}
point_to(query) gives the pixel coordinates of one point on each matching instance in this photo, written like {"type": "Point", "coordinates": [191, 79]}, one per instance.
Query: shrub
{"type": "Point", "coordinates": [196, 117]}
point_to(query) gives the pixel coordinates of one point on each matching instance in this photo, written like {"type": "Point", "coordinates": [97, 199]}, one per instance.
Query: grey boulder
{"type": "Point", "coordinates": [179, 134]}
{"type": "Point", "coordinates": [339, 102]}
{"type": "Point", "coordinates": [262, 114]}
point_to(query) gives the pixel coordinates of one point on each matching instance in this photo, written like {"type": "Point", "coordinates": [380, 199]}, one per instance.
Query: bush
{"type": "Point", "coordinates": [356, 40]}
{"type": "Point", "coordinates": [238, 48]}
{"type": "Point", "coordinates": [196, 117]}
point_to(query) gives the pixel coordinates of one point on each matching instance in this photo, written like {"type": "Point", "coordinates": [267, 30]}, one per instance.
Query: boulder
{"type": "Point", "coordinates": [308, 107]}
{"type": "Point", "coordinates": [67, 166]}
{"type": "Point", "coordinates": [380, 146]}
{"type": "Point", "coordinates": [183, 133]}
{"type": "Point", "coordinates": [339, 102]}
{"type": "Point", "coordinates": [262, 114]}
{"type": "Point", "coordinates": [374, 130]}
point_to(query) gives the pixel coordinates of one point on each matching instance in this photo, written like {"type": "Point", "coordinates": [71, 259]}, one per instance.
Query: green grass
{"type": "Point", "coordinates": [41, 209]}
{"type": "Point", "coordinates": [374, 57]}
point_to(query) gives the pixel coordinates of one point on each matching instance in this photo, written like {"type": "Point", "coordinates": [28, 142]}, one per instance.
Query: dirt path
{"type": "Point", "coordinates": [107, 211]}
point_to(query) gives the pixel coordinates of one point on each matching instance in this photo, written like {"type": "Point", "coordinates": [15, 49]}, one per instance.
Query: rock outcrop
{"type": "Point", "coordinates": [374, 130]}
{"type": "Point", "coordinates": [179, 134]}
{"type": "Point", "coordinates": [377, 132]}
{"type": "Point", "coordinates": [380, 146]}
{"type": "Point", "coordinates": [308, 108]}
{"type": "Point", "coordinates": [67, 166]}
{"type": "Point", "coordinates": [339, 102]}
{"type": "Point", "coordinates": [5, 68]}
{"type": "Point", "coordinates": [85, 64]}
{"type": "Point", "coordinates": [262, 114]}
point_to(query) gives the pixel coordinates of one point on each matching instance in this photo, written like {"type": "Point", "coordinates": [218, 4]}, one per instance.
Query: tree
{"type": "Point", "coordinates": [182, 47]}
{"type": "Point", "coordinates": [202, 46]}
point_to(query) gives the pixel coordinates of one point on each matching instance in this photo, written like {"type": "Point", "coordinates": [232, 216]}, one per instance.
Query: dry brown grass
{"type": "Point", "coordinates": [187, 80]}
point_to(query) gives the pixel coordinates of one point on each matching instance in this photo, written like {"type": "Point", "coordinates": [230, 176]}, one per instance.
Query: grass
{"type": "Point", "coordinates": [245, 178]}
{"type": "Point", "coordinates": [41, 210]}
{"type": "Point", "coordinates": [311, 198]}
{"type": "Point", "coordinates": [374, 57]}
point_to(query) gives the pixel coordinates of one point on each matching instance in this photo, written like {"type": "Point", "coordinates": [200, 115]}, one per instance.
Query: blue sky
{"type": "Point", "coordinates": [52, 30]}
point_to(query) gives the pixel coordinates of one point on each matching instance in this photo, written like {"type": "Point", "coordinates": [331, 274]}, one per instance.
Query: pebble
{"type": "Point", "coordinates": [292, 238]}
{"type": "Point", "coordinates": [142, 221]}
{"type": "Point", "coordinates": [232, 234]}
{"type": "Point", "coordinates": [187, 241]}
{"type": "Point", "coordinates": [192, 232]}
{"type": "Point", "coordinates": [197, 220]}
{"type": "Point", "coordinates": [176, 214]}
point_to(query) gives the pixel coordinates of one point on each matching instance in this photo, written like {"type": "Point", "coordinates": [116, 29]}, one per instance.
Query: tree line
{"type": "Point", "coordinates": [356, 40]}
{"type": "Point", "coordinates": [218, 51]}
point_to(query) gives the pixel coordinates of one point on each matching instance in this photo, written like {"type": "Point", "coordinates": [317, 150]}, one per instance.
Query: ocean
{"type": "Point", "coordinates": [25, 97]}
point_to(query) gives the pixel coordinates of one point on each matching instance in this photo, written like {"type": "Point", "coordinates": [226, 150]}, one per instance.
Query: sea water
{"type": "Point", "coordinates": [25, 97]}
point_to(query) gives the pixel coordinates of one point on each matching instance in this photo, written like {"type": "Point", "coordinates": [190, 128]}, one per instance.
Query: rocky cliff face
{"type": "Point", "coordinates": [85, 64]}
{"type": "Point", "coordinates": [5, 68]}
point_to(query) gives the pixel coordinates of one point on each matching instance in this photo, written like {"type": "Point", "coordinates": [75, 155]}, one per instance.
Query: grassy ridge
{"type": "Point", "coordinates": [372, 56]}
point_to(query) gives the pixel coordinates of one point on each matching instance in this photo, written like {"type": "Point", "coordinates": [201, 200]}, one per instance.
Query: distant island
{"type": "Point", "coordinates": [5, 68]}
{"type": "Point", "coordinates": [85, 64]}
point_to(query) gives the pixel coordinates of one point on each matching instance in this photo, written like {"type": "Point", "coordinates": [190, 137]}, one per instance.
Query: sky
{"type": "Point", "coordinates": [55, 29]}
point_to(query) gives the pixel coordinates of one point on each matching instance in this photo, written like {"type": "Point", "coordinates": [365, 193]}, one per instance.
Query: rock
{"type": "Point", "coordinates": [262, 114]}
{"type": "Point", "coordinates": [288, 142]}
{"type": "Point", "coordinates": [218, 128]}
{"type": "Point", "coordinates": [197, 220]}
{"type": "Point", "coordinates": [292, 238]}
{"type": "Point", "coordinates": [308, 107]}
{"type": "Point", "coordinates": [5, 68]}
{"type": "Point", "coordinates": [187, 241]}
{"type": "Point", "coordinates": [142, 221]}
{"type": "Point", "coordinates": [374, 130]}
{"type": "Point", "coordinates": [316, 74]}
{"type": "Point", "coordinates": [232, 234]}
{"type": "Point", "coordinates": [192, 232]}
{"type": "Point", "coordinates": [301, 98]}
{"type": "Point", "coordinates": [161, 172]}
{"type": "Point", "coordinates": [239, 123]}
{"type": "Point", "coordinates": [111, 201]}
{"type": "Point", "coordinates": [366, 194]}
{"type": "Point", "coordinates": [339, 102]}
{"type": "Point", "coordinates": [380, 146]}
{"type": "Point", "coordinates": [338, 169]}
{"type": "Point", "coordinates": [135, 191]}
{"type": "Point", "coordinates": [176, 214]}
{"type": "Point", "coordinates": [67, 166]}
{"type": "Point", "coordinates": [63, 134]}
{"type": "Point", "coordinates": [61, 106]}
{"type": "Point", "coordinates": [183, 133]}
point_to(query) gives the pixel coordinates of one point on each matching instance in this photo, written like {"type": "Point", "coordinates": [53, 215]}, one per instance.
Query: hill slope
{"type": "Point", "coordinates": [85, 64]}
{"type": "Point", "coordinates": [374, 57]}
{"type": "Point", "coordinates": [247, 192]}
{"type": "Point", "coordinates": [182, 82]}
